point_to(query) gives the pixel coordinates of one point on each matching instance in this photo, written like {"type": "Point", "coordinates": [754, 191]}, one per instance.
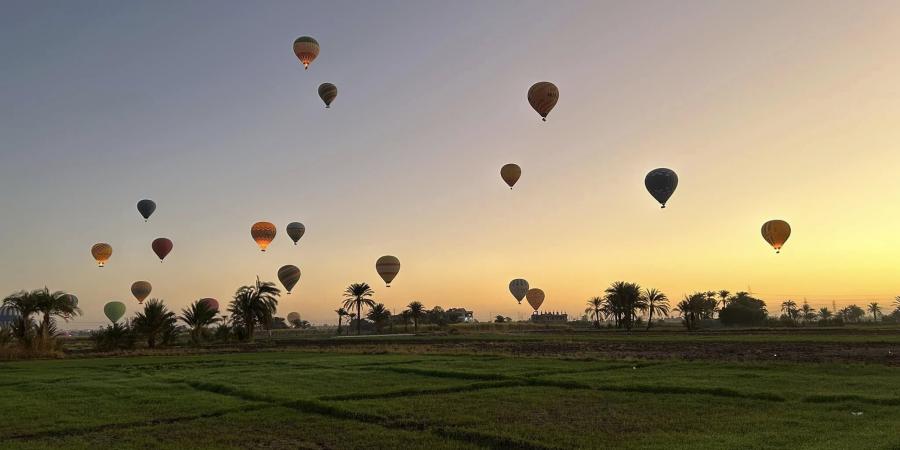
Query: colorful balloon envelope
{"type": "Point", "coordinates": [510, 174]}
{"type": "Point", "coordinates": [535, 298]}
{"type": "Point", "coordinates": [162, 247]}
{"type": "Point", "coordinates": [211, 303]}
{"type": "Point", "coordinates": [295, 231]}
{"type": "Point", "coordinates": [518, 288]}
{"type": "Point", "coordinates": [306, 49]}
{"type": "Point", "coordinates": [141, 290]}
{"type": "Point", "coordinates": [289, 276]}
{"type": "Point", "coordinates": [263, 233]}
{"type": "Point", "coordinates": [543, 97]}
{"type": "Point", "coordinates": [776, 233]}
{"type": "Point", "coordinates": [114, 311]}
{"type": "Point", "coordinates": [661, 184]}
{"type": "Point", "coordinates": [388, 267]}
{"type": "Point", "coordinates": [327, 92]}
{"type": "Point", "coordinates": [146, 208]}
{"type": "Point", "coordinates": [101, 253]}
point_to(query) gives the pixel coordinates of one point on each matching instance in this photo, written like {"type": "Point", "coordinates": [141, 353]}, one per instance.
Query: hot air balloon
{"type": "Point", "coordinates": [295, 231]}
{"type": "Point", "coordinates": [289, 276]}
{"type": "Point", "coordinates": [72, 299]}
{"type": "Point", "coordinates": [776, 232]}
{"type": "Point", "coordinates": [306, 49]}
{"type": "Point", "coordinates": [387, 267]}
{"type": "Point", "coordinates": [161, 247]}
{"type": "Point", "coordinates": [543, 97]}
{"type": "Point", "coordinates": [101, 252]}
{"type": "Point", "coordinates": [535, 298]}
{"type": "Point", "coordinates": [141, 290]}
{"type": "Point", "coordinates": [293, 317]}
{"type": "Point", "coordinates": [510, 174]}
{"type": "Point", "coordinates": [114, 311]}
{"type": "Point", "coordinates": [263, 233]}
{"type": "Point", "coordinates": [211, 303]}
{"type": "Point", "coordinates": [8, 315]}
{"type": "Point", "coordinates": [146, 208]}
{"type": "Point", "coordinates": [518, 288]}
{"type": "Point", "coordinates": [327, 92]}
{"type": "Point", "coordinates": [661, 184]}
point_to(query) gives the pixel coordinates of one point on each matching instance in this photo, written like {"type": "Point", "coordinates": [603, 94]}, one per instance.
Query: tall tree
{"type": "Point", "coordinates": [341, 312]}
{"type": "Point", "coordinates": [628, 300]}
{"type": "Point", "coordinates": [656, 302]}
{"type": "Point", "coordinates": [875, 310]}
{"type": "Point", "coordinates": [416, 311]}
{"type": "Point", "coordinates": [198, 316]}
{"type": "Point", "coordinates": [379, 314]}
{"type": "Point", "coordinates": [594, 308]}
{"type": "Point", "coordinates": [154, 321]}
{"type": "Point", "coordinates": [254, 305]}
{"type": "Point", "coordinates": [356, 296]}
{"type": "Point", "coordinates": [723, 294]}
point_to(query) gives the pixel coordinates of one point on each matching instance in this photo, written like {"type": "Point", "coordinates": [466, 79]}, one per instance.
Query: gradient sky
{"type": "Point", "coordinates": [766, 109]}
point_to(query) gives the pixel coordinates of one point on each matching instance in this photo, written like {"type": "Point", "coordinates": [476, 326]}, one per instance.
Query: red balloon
{"type": "Point", "coordinates": [162, 247]}
{"type": "Point", "coordinates": [211, 303]}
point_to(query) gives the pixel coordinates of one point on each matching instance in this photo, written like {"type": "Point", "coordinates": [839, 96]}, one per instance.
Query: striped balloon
{"type": "Point", "coordinates": [263, 233]}
{"type": "Point", "coordinates": [101, 252]}
{"type": "Point", "coordinates": [518, 288]}
{"type": "Point", "coordinates": [289, 276]}
{"type": "Point", "coordinates": [8, 315]}
{"type": "Point", "coordinates": [387, 267]}
{"type": "Point", "coordinates": [327, 92]}
{"type": "Point", "coordinates": [295, 231]}
{"type": "Point", "coordinates": [543, 96]}
{"type": "Point", "coordinates": [306, 49]}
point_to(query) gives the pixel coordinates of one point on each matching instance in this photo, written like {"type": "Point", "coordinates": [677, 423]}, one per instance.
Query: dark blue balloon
{"type": "Point", "coordinates": [661, 184]}
{"type": "Point", "coordinates": [146, 208]}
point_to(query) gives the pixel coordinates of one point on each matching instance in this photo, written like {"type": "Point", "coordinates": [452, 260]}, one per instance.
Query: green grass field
{"type": "Point", "coordinates": [304, 399]}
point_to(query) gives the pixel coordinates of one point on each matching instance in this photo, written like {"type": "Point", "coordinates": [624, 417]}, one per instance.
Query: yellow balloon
{"type": "Point", "coordinates": [263, 233]}
{"type": "Point", "coordinates": [776, 232]}
{"type": "Point", "coordinates": [101, 252]}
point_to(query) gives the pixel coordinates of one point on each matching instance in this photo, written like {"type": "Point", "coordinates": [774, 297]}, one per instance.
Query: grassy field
{"type": "Point", "coordinates": [346, 399]}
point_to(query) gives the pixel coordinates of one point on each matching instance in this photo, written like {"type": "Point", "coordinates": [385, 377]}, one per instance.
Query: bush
{"type": "Point", "coordinates": [114, 337]}
{"type": "Point", "coordinates": [746, 311]}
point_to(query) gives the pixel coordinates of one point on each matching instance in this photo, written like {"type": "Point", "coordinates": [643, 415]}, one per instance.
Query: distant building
{"type": "Point", "coordinates": [460, 315]}
{"type": "Point", "coordinates": [549, 317]}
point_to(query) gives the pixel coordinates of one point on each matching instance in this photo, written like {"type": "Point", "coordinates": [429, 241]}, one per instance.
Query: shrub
{"type": "Point", "coordinates": [745, 311]}
{"type": "Point", "coordinates": [113, 337]}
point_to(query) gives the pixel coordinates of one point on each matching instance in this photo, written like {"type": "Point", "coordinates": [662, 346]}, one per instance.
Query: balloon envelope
{"type": "Point", "coordinates": [543, 96]}
{"type": "Point", "coordinates": [295, 231]}
{"type": "Point", "coordinates": [263, 233]}
{"type": "Point", "coordinates": [518, 288]}
{"type": "Point", "coordinates": [661, 184]}
{"type": "Point", "coordinates": [327, 92]}
{"type": "Point", "coordinates": [289, 276]}
{"type": "Point", "coordinates": [101, 252]}
{"type": "Point", "coordinates": [162, 247]}
{"type": "Point", "coordinates": [293, 317]}
{"type": "Point", "coordinates": [387, 267]}
{"type": "Point", "coordinates": [114, 311]}
{"type": "Point", "coordinates": [146, 208]}
{"type": "Point", "coordinates": [776, 233]}
{"type": "Point", "coordinates": [141, 290]}
{"type": "Point", "coordinates": [306, 49]}
{"type": "Point", "coordinates": [535, 298]}
{"type": "Point", "coordinates": [211, 303]}
{"type": "Point", "coordinates": [510, 174]}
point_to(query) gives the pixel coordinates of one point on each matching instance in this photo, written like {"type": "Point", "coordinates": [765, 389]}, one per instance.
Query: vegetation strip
{"type": "Point", "coordinates": [411, 392]}
{"type": "Point", "coordinates": [851, 398]}
{"type": "Point", "coordinates": [77, 431]}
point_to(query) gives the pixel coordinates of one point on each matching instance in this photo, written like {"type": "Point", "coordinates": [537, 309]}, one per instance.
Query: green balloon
{"type": "Point", "coordinates": [114, 311]}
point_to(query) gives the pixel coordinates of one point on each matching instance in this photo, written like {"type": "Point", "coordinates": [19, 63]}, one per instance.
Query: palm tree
{"type": "Point", "coordinates": [897, 302]}
{"type": "Point", "coordinates": [26, 305]}
{"type": "Point", "coordinates": [789, 308]}
{"type": "Point", "coordinates": [155, 321]}
{"type": "Point", "coordinates": [807, 313]}
{"type": "Point", "coordinates": [254, 305]}
{"type": "Point", "coordinates": [723, 294]}
{"type": "Point", "coordinates": [627, 299]}
{"type": "Point", "coordinates": [358, 295]}
{"type": "Point", "coordinates": [595, 304]}
{"type": "Point", "coordinates": [416, 311]}
{"type": "Point", "coordinates": [692, 307]}
{"type": "Point", "coordinates": [57, 304]}
{"type": "Point", "coordinates": [656, 302]}
{"type": "Point", "coordinates": [378, 314]}
{"type": "Point", "coordinates": [824, 314]}
{"type": "Point", "coordinates": [198, 316]}
{"type": "Point", "coordinates": [341, 312]}
{"type": "Point", "coordinates": [875, 310]}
